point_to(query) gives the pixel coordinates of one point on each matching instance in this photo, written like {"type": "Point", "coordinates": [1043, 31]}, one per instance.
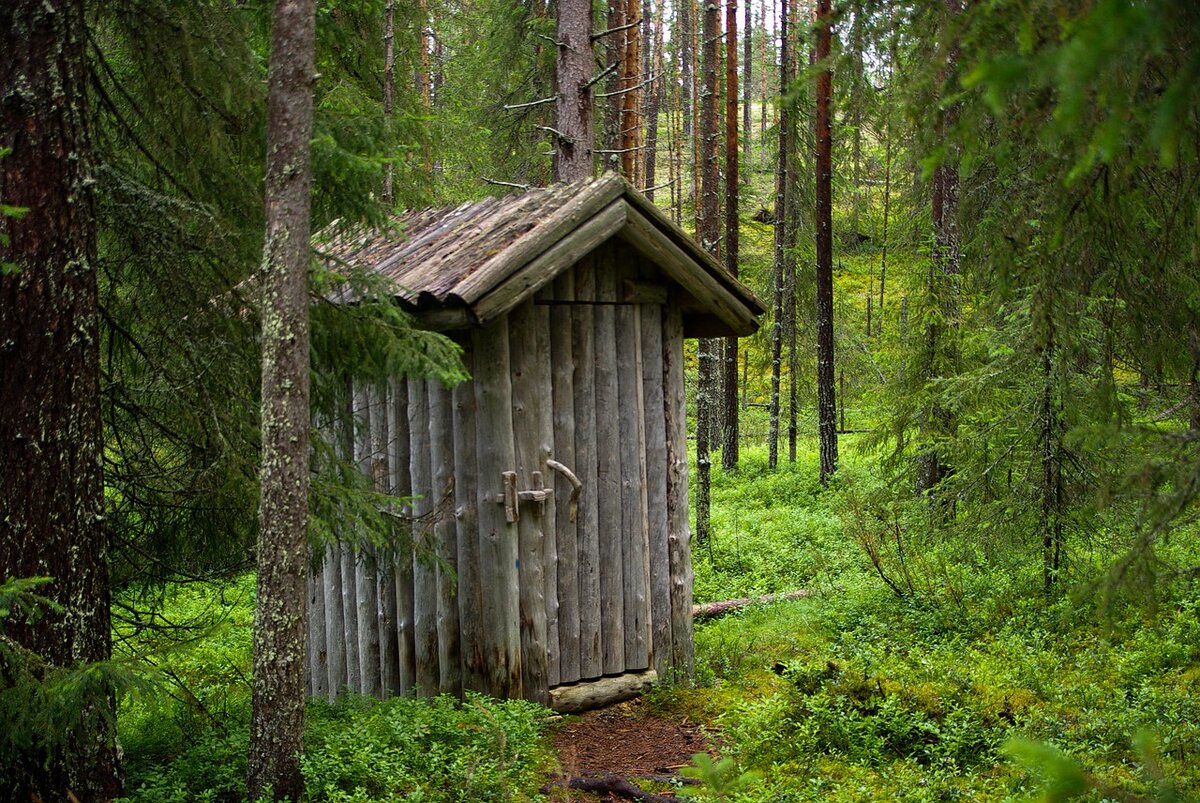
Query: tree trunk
{"type": "Point", "coordinates": [631, 78]}
{"type": "Point", "coordinates": [654, 99]}
{"type": "Point", "coordinates": [51, 481]}
{"type": "Point", "coordinates": [747, 61]}
{"type": "Point", "coordinates": [941, 348]}
{"type": "Point", "coordinates": [826, 397]}
{"type": "Point", "coordinates": [573, 154]}
{"type": "Point", "coordinates": [729, 429]}
{"type": "Point", "coordinates": [782, 186]}
{"type": "Point", "coordinates": [708, 230]}
{"type": "Point", "coordinates": [277, 722]}
{"type": "Point", "coordinates": [686, 59]}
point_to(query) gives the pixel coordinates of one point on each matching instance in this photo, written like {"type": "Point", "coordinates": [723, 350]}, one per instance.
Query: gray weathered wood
{"type": "Point", "coordinates": [562, 362]}
{"type": "Point", "coordinates": [678, 535]}
{"type": "Point", "coordinates": [366, 583]}
{"type": "Point", "coordinates": [656, 486]}
{"type": "Point", "coordinates": [525, 365]}
{"type": "Point", "coordinates": [710, 291]}
{"type": "Point", "coordinates": [425, 636]}
{"type": "Point", "coordinates": [602, 692]}
{"type": "Point", "coordinates": [441, 431]}
{"type": "Point", "coordinates": [318, 676]}
{"type": "Point", "coordinates": [349, 615]}
{"type": "Point", "coordinates": [558, 225]}
{"type": "Point", "coordinates": [470, 597]}
{"type": "Point", "coordinates": [498, 555]}
{"type": "Point", "coordinates": [335, 637]}
{"type": "Point", "coordinates": [544, 381]}
{"type": "Point", "coordinates": [583, 343]}
{"type": "Point", "coordinates": [402, 575]}
{"type": "Point", "coordinates": [608, 468]}
{"type": "Point", "coordinates": [385, 584]}
{"type": "Point", "coordinates": [632, 568]}
{"type": "Point", "coordinates": [506, 296]}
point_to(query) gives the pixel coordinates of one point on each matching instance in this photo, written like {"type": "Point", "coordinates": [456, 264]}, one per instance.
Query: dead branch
{"type": "Point", "coordinates": [598, 36]}
{"type": "Point", "coordinates": [713, 610]}
{"type": "Point", "coordinates": [543, 101]}
{"type": "Point", "coordinates": [496, 183]}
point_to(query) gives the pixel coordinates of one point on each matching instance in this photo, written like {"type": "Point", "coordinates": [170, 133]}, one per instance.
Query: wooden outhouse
{"type": "Point", "coordinates": [551, 488]}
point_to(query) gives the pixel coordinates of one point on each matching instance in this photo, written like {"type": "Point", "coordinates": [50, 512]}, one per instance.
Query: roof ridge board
{"type": "Point", "coordinates": [688, 243]}
{"type": "Point", "coordinates": [578, 204]}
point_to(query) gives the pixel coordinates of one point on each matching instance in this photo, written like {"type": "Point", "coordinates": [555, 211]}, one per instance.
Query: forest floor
{"type": "Point", "coordinates": [631, 740]}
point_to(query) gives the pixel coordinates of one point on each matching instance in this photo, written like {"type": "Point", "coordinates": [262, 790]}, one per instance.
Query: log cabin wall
{"type": "Point", "coordinates": [500, 578]}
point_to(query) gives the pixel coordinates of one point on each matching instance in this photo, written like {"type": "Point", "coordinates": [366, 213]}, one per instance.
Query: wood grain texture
{"type": "Point", "coordinates": [402, 576]}
{"type": "Point", "coordinates": [498, 555]}
{"type": "Point", "coordinates": [425, 636]}
{"type": "Point", "coordinates": [562, 362]}
{"type": "Point", "coordinates": [524, 362]}
{"type": "Point", "coordinates": [466, 520]}
{"type": "Point", "coordinates": [651, 319]}
{"type": "Point", "coordinates": [366, 584]}
{"type": "Point", "coordinates": [583, 344]}
{"type": "Point", "coordinates": [678, 534]}
{"type": "Point", "coordinates": [445, 537]}
{"type": "Point", "coordinates": [608, 468]}
{"type": "Point", "coordinates": [602, 692]}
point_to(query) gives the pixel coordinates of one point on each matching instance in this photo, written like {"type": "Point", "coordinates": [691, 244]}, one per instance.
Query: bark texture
{"type": "Point", "coordinates": [826, 394]}
{"type": "Point", "coordinates": [573, 154]}
{"type": "Point", "coordinates": [729, 385]}
{"type": "Point", "coordinates": [277, 721]}
{"type": "Point", "coordinates": [782, 186]}
{"type": "Point", "coordinates": [51, 482]}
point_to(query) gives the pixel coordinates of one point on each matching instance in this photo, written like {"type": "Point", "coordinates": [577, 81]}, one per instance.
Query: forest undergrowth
{"type": "Point", "coordinates": [974, 687]}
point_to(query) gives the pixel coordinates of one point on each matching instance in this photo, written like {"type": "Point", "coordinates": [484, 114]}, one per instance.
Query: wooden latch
{"type": "Point", "coordinates": [511, 498]}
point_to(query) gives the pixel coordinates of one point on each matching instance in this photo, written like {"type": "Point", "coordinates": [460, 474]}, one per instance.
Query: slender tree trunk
{"type": "Point", "coordinates": [781, 193]}
{"type": "Point", "coordinates": [51, 481]}
{"type": "Point", "coordinates": [686, 17]}
{"type": "Point", "coordinates": [747, 83]}
{"type": "Point", "coordinates": [389, 88]}
{"type": "Point", "coordinates": [277, 722]}
{"type": "Point", "coordinates": [425, 79]}
{"type": "Point", "coordinates": [708, 227]}
{"type": "Point", "coordinates": [573, 153]}
{"type": "Point", "coordinates": [791, 226]}
{"type": "Point", "coordinates": [654, 97]}
{"type": "Point", "coordinates": [941, 347]}
{"type": "Point", "coordinates": [887, 203]}
{"type": "Point", "coordinates": [630, 81]}
{"type": "Point", "coordinates": [826, 400]}
{"type": "Point", "coordinates": [762, 77]}
{"type": "Point", "coordinates": [729, 447]}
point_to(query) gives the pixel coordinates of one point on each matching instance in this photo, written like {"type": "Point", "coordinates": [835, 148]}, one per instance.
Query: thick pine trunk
{"type": "Point", "coordinates": [729, 406]}
{"type": "Point", "coordinates": [573, 154]}
{"type": "Point", "coordinates": [277, 721]}
{"type": "Point", "coordinates": [826, 400]}
{"type": "Point", "coordinates": [51, 483]}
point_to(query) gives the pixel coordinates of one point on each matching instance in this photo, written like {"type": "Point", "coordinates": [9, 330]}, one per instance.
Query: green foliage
{"type": "Point", "coordinates": [185, 736]}
{"type": "Point", "coordinates": [719, 779]}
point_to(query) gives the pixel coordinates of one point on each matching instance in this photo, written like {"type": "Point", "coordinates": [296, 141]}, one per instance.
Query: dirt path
{"type": "Point", "coordinates": [626, 740]}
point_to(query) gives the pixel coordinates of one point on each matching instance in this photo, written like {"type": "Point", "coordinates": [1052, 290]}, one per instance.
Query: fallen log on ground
{"type": "Point", "coordinates": [713, 610]}
{"type": "Point", "coordinates": [614, 785]}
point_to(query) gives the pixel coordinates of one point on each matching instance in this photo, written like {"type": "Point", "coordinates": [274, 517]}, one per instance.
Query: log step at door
{"type": "Point", "coordinates": [598, 693]}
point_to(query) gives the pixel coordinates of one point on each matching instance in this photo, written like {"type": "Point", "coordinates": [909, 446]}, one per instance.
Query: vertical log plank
{"type": "Point", "coordinates": [608, 467]}
{"type": "Point", "coordinates": [498, 545]}
{"type": "Point", "coordinates": [318, 677]}
{"type": "Point", "coordinates": [402, 576]}
{"type": "Point", "coordinates": [366, 584]}
{"type": "Point", "coordinates": [385, 584]}
{"type": "Point", "coordinates": [346, 548]}
{"type": "Point", "coordinates": [678, 536]}
{"type": "Point", "coordinates": [632, 569]}
{"type": "Point", "coordinates": [656, 486]}
{"type": "Point", "coordinates": [544, 391]}
{"type": "Point", "coordinates": [562, 362]}
{"type": "Point", "coordinates": [466, 520]}
{"type": "Point", "coordinates": [425, 637]}
{"type": "Point", "coordinates": [524, 361]}
{"type": "Point", "coordinates": [583, 344]}
{"type": "Point", "coordinates": [441, 429]}
{"type": "Point", "coordinates": [335, 636]}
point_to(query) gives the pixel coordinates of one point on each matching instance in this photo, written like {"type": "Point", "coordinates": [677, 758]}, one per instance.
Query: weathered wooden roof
{"type": "Point", "coordinates": [467, 265]}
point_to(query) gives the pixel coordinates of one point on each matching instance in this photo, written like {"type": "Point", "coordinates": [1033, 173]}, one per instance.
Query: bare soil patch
{"type": "Point", "coordinates": [626, 740]}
